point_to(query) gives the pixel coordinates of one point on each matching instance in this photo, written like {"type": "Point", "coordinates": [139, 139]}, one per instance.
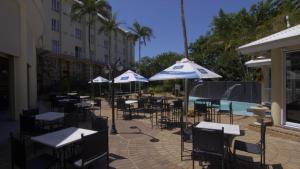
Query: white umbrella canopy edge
{"type": "Point", "coordinates": [130, 76]}
{"type": "Point", "coordinates": [99, 79]}
{"type": "Point", "coordinates": [185, 69]}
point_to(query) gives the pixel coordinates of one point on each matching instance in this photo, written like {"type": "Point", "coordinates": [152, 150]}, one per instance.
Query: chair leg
{"type": "Point", "coordinates": [193, 164]}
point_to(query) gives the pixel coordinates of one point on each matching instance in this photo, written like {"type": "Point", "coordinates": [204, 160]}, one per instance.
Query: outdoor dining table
{"type": "Point", "coordinates": [49, 119]}
{"type": "Point", "coordinates": [230, 131]}
{"type": "Point", "coordinates": [60, 139]}
{"type": "Point", "coordinates": [49, 116]}
{"type": "Point", "coordinates": [84, 97]}
{"type": "Point", "coordinates": [130, 103]}
{"type": "Point", "coordinates": [72, 94]}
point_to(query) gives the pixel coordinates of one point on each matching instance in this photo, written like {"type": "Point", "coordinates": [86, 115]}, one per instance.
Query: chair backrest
{"type": "Point", "coordinates": [18, 152]}
{"type": "Point", "coordinates": [121, 103]}
{"type": "Point", "coordinates": [31, 112]}
{"type": "Point", "coordinates": [99, 123]}
{"type": "Point", "coordinates": [208, 141]}
{"type": "Point", "coordinates": [200, 107]}
{"type": "Point", "coordinates": [69, 107]}
{"type": "Point", "coordinates": [71, 120]}
{"type": "Point", "coordinates": [141, 103]}
{"type": "Point", "coordinates": [178, 104]}
{"type": "Point", "coordinates": [27, 124]}
{"type": "Point", "coordinates": [94, 145]}
{"type": "Point", "coordinates": [215, 102]}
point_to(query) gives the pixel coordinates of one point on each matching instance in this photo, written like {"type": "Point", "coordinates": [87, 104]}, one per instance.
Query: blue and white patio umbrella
{"type": "Point", "coordinates": [185, 69]}
{"type": "Point", "coordinates": [99, 80]}
{"type": "Point", "coordinates": [130, 76]}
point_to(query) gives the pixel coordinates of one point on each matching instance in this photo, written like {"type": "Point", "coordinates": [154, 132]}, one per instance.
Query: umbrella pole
{"type": "Point", "coordinates": [130, 86]}
{"type": "Point", "coordinates": [183, 116]}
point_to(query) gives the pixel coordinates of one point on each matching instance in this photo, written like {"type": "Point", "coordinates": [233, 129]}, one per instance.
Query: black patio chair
{"type": "Point", "coordinates": [71, 120]}
{"type": "Point", "coordinates": [70, 107]}
{"type": "Point", "coordinates": [19, 157]}
{"type": "Point", "coordinates": [141, 106]}
{"type": "Point", "coordinates": [215, 105]}
{"type": "Point", "coordinates": [28, 126]}
{"type": "Point", "coordinates": [208, 145]}
{"type": "Point", "coordinates": [165, 116]}
{"type": "Point", "coordinates": [229, 112]}
{"type": "Point", "coordinates": [200, 109]}
{"type": "Point", "coordinates": [121, 106]}
{"type": "Point", "coordinates": [177, 110]}
{"type": "Point", "coordinates": [93, 148]}
{"type": "Point", "coordinates": [99, 123]}
{"type": "Point", "coordinates": [258, 148]}
{"type": "Point", "coordinates": [30, 112]}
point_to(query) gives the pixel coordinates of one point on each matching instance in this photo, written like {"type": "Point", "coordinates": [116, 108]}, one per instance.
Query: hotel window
{"type": "Point", "coordinates": [78, 52]}
{"type": "Point", "coordinates": [55, 46]}
{"type": "Point", "coordinates": [55, 25]}
{"type": "Point", "coordinates": [105, 44]}
{"type": "Point", "coordinates": [56, 5]}
{"type": "Point", "coordinates": [93, 54]}
{"type": "Point", "coordinates": [106, 59]}
{"type": "Point", "coordinates": [78, 34]}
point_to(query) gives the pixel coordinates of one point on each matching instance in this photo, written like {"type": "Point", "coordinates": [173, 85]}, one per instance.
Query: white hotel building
{"type": "Point", "coordinates": [67, 42]}
{"type": "Point", "coordinates": [40, 45]}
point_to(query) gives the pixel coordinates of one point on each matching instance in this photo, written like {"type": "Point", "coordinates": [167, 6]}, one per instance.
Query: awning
{"type": "Point", "coordinates": [287, 37]}
{"type": "Point", "coordinates": [258, 63]}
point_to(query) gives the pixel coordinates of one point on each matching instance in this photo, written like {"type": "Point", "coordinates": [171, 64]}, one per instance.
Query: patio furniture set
{"type": "Point", "coordinates": [59, 133]}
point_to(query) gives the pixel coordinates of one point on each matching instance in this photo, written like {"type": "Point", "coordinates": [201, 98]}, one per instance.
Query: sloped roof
{"type": "Point", "coordinates": [287, 37]}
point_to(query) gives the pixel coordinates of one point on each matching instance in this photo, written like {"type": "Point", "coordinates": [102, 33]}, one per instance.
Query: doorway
{"type": "Point", "coordinates": [293, 87]}
{"type": "Point", "coordinates": [4, 89]}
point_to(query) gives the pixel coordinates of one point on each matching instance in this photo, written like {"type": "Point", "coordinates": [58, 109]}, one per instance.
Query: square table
{"type": "Point", "coordinates": [229, 129]}
{"type": "Point", "coordinates": [49, 116]}
{"type": "Point", "coordinates": [62, 138]}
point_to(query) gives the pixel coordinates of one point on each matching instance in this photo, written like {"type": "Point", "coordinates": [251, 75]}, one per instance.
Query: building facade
{"type": "Point", "coordinates": [20, 36]}
{"type": "Point", "coordinates": [281, 72]}
{"type": "Point", "coordinates": [65, 51]}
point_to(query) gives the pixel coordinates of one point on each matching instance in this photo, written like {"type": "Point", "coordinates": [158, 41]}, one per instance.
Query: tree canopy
{"type": "Point", "coordinates": [217, 49]}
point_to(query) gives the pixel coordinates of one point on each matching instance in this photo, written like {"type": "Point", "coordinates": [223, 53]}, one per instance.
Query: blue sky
{"type": "Point", "coordinates": [163, 16]}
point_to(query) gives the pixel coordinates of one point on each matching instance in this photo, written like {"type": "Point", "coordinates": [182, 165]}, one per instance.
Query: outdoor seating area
{"type": "Point", "coordinates": [216, 88]}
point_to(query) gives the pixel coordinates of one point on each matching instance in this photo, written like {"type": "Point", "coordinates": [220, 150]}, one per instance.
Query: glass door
{"type": "Point", "coordinates": [293, 87]}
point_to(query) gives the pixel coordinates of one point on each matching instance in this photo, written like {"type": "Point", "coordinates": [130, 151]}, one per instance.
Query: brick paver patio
{"type": "Point", "coordinates": [139, 146]}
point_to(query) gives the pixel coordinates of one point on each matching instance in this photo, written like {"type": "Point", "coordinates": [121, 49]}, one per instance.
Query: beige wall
{"type": "Point", "coordinates": [19, 37]}
{"type": "Point", "coordinates": [277, 85]}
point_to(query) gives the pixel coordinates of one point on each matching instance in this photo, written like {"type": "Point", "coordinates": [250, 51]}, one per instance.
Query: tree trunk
{"type": "Point", "coordinates": [109, 59]}
{"type": "Point", "coordinates": [140, 55]}
{"type": "Point", "coordinates": [91, 60]}
{"type": "Point", "coordinates": [184, 29]}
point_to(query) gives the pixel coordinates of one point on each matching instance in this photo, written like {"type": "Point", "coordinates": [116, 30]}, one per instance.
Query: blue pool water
{"type": "Point", "coordinates": [239, 108]}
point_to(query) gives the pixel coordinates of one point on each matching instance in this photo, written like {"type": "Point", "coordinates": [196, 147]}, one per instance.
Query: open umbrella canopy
{"type": "Point", "coordinates": [130, 76]}
{"type": "Point", "coordinates": [185, 69]}
{"type": "Point", "coordinates": [99, 79]}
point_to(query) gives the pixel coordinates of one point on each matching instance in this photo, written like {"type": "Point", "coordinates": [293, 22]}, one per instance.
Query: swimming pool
{"type": "Point", "coordinates": [239, 108]}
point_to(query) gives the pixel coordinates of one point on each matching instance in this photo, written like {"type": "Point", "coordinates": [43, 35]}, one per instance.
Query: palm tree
{"type": "Point", "coordinates": [186, 82]}
{"type": "Point", "coordinates": [141, 34]}
{"type": "Point", "coordinates": [91, 9]}
{"type": "Point", "coordinates": [110, 26]}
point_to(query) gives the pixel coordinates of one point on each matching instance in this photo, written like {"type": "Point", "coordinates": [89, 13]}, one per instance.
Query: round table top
{"type": "Point", "coordinates": [258, 109]}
